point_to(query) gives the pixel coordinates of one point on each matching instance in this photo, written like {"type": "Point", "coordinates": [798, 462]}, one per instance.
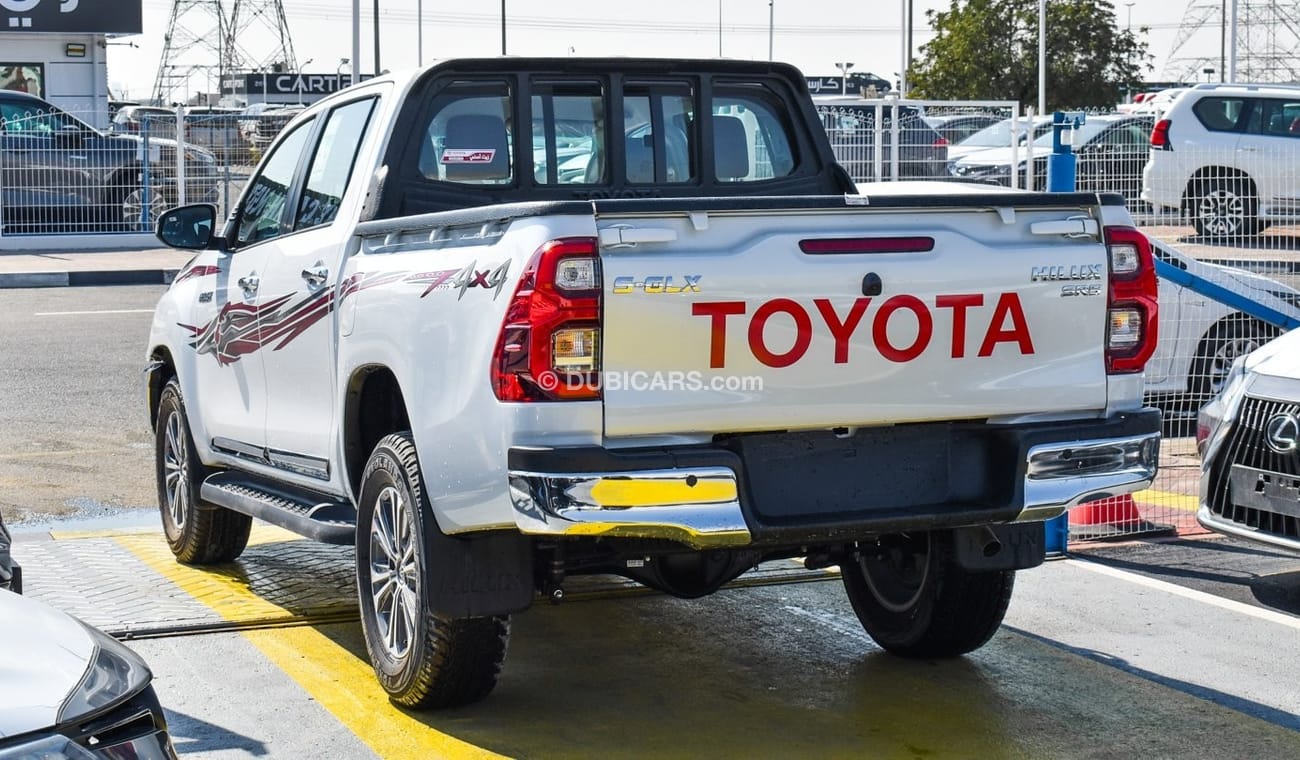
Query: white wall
{"type": "Point", "coordinates": [77, 85]}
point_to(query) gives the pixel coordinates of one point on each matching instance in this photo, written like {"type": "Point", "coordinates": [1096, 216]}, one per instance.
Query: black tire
{"type": "Point", "coordinates": [198, 534]}
{"type": "Point", "coordinates": [1229, 339]}
{"type": "Point", "coordinates": [1224, 209]}
{"type": "Point", "coordinates": [915, 601]}
{"type": "Point", "coordinates": [443, 661]}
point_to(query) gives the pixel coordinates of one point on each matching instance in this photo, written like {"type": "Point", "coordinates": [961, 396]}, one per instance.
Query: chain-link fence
{"type": "Point", "coordinates": [60, 176]}
{"type": "Point", "coordinates": [1224, 219]}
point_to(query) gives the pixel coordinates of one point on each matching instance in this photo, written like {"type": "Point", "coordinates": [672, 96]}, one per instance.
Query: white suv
{"type": "Point", "coordinates": [1228, 156]}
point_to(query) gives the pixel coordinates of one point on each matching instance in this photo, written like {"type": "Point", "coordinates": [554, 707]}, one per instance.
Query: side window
{"type": "Point", "coordinates": [469, 136]}
{"type": "Point", "coordinates": [332, 166]}
{"type": "Point", "coordinates": [568, 134]}
{"type": "Point", "coordinates": [1221, 114]}
{"type": "Point", "coordinates": [1279, 118]}
{"type": "Point", "coordinates": [263, 204]}
{"type": "Point", "coordinates": [751, 142]}
{"type": "Point", "coordinates": [658, 134]}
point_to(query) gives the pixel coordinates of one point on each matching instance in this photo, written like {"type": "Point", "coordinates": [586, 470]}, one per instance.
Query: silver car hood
{"type": "Point", "coordinates": [43, 655]}
{"type": "Point", "coordinates": [1279, 357]}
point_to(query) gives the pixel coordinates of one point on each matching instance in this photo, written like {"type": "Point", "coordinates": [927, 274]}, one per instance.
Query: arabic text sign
{"type": "Point", "coordinates": [84, 16]}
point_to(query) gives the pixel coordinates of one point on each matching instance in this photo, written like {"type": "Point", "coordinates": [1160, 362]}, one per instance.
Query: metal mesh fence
{"type": "Point", "coordinates": [1224, 212]}
{"type": "Point", "coordinates": [60, 176]}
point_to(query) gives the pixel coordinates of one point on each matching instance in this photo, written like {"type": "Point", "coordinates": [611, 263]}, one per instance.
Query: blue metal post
{"type": "Point", "coordinates": [144, 177]}
{"type": "Point", "coordinates": [1060, 179]}
{"type": "Point", "coordinates": [1060, 165]}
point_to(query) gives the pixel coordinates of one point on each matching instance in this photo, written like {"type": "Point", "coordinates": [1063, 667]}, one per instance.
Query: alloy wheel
{"type": "Point", "coordinates": [394, 572]}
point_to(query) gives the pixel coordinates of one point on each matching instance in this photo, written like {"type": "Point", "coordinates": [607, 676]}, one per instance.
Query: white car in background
{"type": "Point", "coordinates": [999, 136]}
{"type": "Point", "coordinates": [1227, 156]}
{"type": "Point", "coordinates": [1200, 337]}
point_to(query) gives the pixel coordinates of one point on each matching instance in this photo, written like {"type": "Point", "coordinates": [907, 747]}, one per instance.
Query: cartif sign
{"type": "Point", "coordinates": [291, 84]}
{"type": "Point", "coordinates": [84, 16]}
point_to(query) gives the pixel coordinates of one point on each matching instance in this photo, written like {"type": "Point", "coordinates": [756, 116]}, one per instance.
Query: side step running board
{"type": "Point", "coordinates": [313, 515]}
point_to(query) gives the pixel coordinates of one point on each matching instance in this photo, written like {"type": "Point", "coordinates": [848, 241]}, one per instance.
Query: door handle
{"type": "Point", "coordinates": [316, 275]}
{"type": "Point", "coordinates": [249, 282]}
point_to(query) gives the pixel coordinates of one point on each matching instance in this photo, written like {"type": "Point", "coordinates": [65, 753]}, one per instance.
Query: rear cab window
{"type": "Point", "coordinates": [482, 137]}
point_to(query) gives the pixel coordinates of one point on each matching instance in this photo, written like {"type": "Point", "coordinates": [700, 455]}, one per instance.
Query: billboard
{"type": "Point", "coordinates": [287, 84]}
{"type": "Point", "coordinates": [78, 16]}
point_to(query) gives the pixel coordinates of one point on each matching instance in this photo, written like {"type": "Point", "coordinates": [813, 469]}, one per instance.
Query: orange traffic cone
{"type": "Point", "coordinates": [1118, 511]}
{"type": "Point", "coordinates": [1109, 518]}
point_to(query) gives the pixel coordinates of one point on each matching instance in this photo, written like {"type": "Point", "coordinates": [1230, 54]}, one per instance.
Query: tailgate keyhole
{"type": "Point", "coordinates": [871, 284]}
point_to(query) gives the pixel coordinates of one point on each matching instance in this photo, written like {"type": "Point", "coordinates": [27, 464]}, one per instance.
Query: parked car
{"type": "Point", "coordinates": [957, 127]}
{"type": "Point", "coordinates": [11, 574]}
{"type": "Point", "coordinates": [1201, 337]}
{"type": "Point", "coordinates": [999, 135]}
{"type": "Point", "coordinates": [850, 123]}
{"type": "Point", "coordinates": [59, 173]}
{"type": "Point", "coordinates": [217, 129]}
{"type": "Point", "coordinates": [1227, 157]}
{"type": "Point", "coordinates": [136, 118]}
{"type": "Point", "coordinates": [261, 122]}
{"type": "Point", "coordinates": [1249, 438]}
{"type": "Point", "coordinates": [1111, 151]}
{"type": "Point", "coordinates": [71, 691]}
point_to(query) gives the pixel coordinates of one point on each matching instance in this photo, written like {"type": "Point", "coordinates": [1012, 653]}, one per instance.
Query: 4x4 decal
{"type": "Point", "coordinates": [240, 329]}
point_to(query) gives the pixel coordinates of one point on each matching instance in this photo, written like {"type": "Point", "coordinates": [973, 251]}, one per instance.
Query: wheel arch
{"type": "Point", "coordinates": [1223, 324]}
{"type": "Point", "coordinates": [161, 369]}
{"type": "Point", "coordinates": [373, 407]}
{"type": "Point", "coordinates": [1213, 172]}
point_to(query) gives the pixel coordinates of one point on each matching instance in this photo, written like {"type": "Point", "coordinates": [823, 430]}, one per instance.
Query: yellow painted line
{"type": "Point", "coordinates": [334, 677]}
{"type": "Point", "coordinates": [1180, 501]}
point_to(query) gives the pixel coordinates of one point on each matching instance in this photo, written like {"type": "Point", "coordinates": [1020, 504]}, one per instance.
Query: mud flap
{"type": "Point", "coordinates": [489, 574]}
{"type": "Point", "coordinates": [999, 547]}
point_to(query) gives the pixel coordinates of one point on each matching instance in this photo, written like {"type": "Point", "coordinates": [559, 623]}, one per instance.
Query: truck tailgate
{"type": "Point", "coordinates": [772, 318]}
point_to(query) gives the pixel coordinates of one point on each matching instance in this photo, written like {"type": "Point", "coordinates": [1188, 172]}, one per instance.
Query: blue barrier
{"type": "Point", "coordinates": [1238, 301]}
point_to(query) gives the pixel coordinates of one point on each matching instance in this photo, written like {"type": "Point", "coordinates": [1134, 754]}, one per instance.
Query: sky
{"type": "Point", "coordinates": [812, 34]}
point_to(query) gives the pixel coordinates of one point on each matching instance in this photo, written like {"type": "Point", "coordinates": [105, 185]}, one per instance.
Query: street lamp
{"type": "Point", "coordinates": [338, 72]}
{"type": "Point", "coordinates": [844, 67]}
{"type": "Point", "coordinates": [298, 84]}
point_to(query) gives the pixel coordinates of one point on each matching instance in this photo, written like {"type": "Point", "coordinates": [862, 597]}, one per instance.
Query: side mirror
{"type": "Point", "coordinates": [69, 136]}
{"type": "Point", "coordinates": [188, 227]}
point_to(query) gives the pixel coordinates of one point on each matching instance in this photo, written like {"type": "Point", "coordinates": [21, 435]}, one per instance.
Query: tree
{"type": "Point", "coordinates": [988, 49]}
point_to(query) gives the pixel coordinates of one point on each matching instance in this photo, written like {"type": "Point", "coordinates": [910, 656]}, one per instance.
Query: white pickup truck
{"type": "Point", "coordinates": [657, 334]}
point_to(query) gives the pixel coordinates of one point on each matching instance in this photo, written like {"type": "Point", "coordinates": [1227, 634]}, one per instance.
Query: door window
{"type": "Point", "coordinates": [262, 215]}
{"type": "Point", "coordinates": [332, 166]}
{"type": "Point", "coordinates": [1279, 118]}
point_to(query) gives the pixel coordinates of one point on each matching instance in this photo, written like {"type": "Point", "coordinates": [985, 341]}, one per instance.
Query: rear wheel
{"type": "Point", "coordinates": [422, 659]}
{"type": "Point", "coordinates": [1220, 348]}
{"type": "Point", "coordinates": [914, 600]}
{"type": "Point", "coordinates": [198, 534]}
{"type": "Point", "coordinates": [1224, 208]}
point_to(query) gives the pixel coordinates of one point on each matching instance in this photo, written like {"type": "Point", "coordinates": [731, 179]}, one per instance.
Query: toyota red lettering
{"type": "Point", "coordinates": [1005, 324]}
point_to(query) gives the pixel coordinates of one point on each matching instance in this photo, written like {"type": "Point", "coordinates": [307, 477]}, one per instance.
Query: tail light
{"type": "Point", "coordinates": [940, 142]}
{"type": "Point", "coordinates": [549, 346]}
{"type": "Point", "coordinates": [1160, 135]}
{"type": "Point", "coordinates": [1131, 310]}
